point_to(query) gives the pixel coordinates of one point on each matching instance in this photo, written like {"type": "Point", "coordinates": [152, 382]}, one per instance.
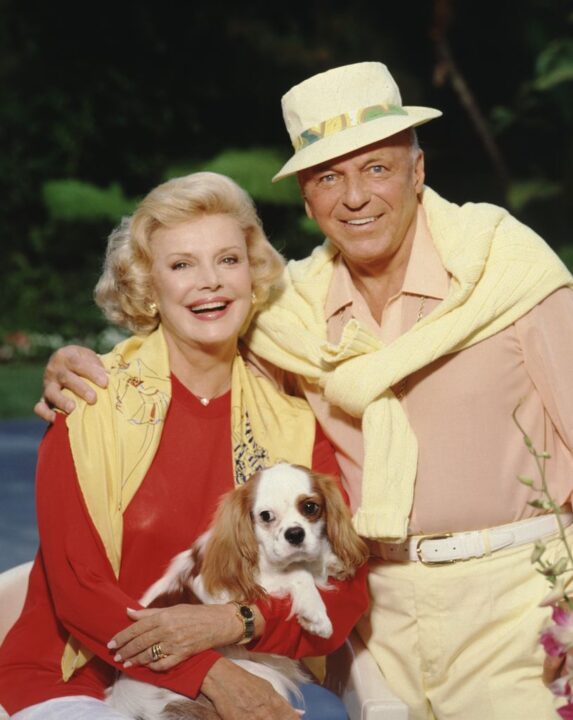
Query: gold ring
{"type": "Point", "coordinates": [156, 652]}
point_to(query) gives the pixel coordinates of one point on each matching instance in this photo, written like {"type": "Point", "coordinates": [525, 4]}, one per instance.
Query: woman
{"type": "Point", "coordinates": [126, 484]}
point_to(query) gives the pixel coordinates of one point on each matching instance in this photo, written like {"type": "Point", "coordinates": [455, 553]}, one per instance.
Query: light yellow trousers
{"type": "Point", "coordinates": [461, 641]}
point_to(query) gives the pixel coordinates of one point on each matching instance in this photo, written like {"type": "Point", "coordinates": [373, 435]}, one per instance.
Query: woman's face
{"type": "Point", "coordinates": [201, 281]}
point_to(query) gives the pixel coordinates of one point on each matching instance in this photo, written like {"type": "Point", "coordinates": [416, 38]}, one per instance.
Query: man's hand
{"type": "Point", "coordinates": [238, 694]}
{"type": "Point", "coordinates": [65, 369]}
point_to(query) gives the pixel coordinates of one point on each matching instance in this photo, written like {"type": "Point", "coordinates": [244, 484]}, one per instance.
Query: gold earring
{"type": "Point", "coordinates": [254, 297]}
{"type": "Point", "coordinates": [152, 308]}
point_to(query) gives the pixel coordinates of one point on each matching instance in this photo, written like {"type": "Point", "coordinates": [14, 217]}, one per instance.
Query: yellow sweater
{"type": "Point", "coordinates": [499, 270]}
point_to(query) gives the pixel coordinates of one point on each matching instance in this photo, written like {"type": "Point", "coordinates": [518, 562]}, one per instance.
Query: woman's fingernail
{"type": "Point", "coordinates": [117, 657]}
{"type": "Point", "coordinates": [112, 645]}
{"type": "Point", "coordinates": [127, 664]}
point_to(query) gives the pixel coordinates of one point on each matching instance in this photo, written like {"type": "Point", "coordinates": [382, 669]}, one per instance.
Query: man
{"type": "Point", "coordinates": [415, 332]}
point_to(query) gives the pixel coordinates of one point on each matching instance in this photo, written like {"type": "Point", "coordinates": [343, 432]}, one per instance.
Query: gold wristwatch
{"type": "Point", "coordinates": [247, 617]}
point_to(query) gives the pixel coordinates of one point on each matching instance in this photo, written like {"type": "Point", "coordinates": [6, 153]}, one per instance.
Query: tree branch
{"type": "Point", "coordinates": [446, 67]}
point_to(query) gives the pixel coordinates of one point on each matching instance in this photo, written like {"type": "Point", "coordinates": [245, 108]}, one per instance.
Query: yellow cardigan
{"type": "Point", "coordinates": [499, 270]}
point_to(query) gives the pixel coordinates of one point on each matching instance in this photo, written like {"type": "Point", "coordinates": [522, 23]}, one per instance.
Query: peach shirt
{"type": "Point", "coordinates": [460, 406]}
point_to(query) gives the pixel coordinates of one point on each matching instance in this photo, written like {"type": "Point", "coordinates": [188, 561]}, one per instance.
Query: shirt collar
{"type": "Point", "coordinates": [425, 274]}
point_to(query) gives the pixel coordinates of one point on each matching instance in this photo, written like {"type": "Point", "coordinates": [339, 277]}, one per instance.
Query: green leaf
{"type": "Point", "coordinates": [566, 254]}
{"type": "Point", "coordinates": [548, 572]}
{"type": "Point", "coordinates": [538, 550]}
{"type": "Point", "coordinates": [523, 193]}
{"type": "Point", "coordinates": [525, 481]}
{"type": "Point", "coordinates": [309, 226]}
{"type": "Point", "coordinates": [76, 200]}
{"type": "Point", "coordinates": [541, 504]}
{"type": "Point", "coordinates": [554, 65]}
{"type": "Point", "coordinates": [502, 118]}
{"type": "Point", "coordinates": [253, 170]}
{"type": "Point", "coordinates": [560, 566]}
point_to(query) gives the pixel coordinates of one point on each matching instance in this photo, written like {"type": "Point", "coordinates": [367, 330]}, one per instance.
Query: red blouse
{"type": "Point", "coordinates": [72, 586]}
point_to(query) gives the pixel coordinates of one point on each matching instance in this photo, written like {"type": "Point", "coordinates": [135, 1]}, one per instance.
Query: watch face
{"type": "Point", "coordinates": [246, 612]}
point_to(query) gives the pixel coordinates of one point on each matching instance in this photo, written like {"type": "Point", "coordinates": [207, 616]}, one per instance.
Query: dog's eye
{"type": "Point", "coordinates": [266, 516]}
{"type": "Point", "coordinates": [310, 508]}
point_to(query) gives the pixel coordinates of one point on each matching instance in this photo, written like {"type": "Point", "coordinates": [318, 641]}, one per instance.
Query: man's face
{"type": "Point", "coordinates": [366, 201]}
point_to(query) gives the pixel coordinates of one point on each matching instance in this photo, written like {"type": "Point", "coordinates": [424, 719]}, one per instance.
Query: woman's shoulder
{"type": "Point", "coordinates": [138, 374]}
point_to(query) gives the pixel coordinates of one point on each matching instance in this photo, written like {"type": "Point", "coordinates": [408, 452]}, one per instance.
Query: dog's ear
{"type": "Point", "coordinates": [346, 544]}
{"type": "Point", "coordinates": [231, 555]}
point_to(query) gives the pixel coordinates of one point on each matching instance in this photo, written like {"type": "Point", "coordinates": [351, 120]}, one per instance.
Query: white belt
{"type": "Point", "coordinates": [450, 547]}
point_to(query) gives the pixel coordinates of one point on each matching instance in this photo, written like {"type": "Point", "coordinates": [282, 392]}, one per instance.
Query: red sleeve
{"type": "Point", "coordinates": [323, 457]}
{"type": "Point", "coordinates": [88, 599]}
{"type": "Point", "coordinates": [345, 602]}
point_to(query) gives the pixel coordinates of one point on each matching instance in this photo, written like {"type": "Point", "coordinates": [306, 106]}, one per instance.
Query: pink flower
{"type": "Point", "coordinates": [561, 687]}
{"type": "Point", "coordinates": [557, 638]}
{"type": "Point", "coordinates": [550, 644]}
{"type": "Point", "coordinates": [566, 712]}
{"type": "Point", "coordinates": [561, 616]}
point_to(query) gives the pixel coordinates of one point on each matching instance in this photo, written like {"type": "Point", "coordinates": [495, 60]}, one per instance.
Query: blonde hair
{"type": "Point", "coordinates": [124, 291]}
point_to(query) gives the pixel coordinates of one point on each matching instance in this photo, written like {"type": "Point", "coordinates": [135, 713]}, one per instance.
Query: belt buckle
{"type": "Point", "coordinates": [437, 536]}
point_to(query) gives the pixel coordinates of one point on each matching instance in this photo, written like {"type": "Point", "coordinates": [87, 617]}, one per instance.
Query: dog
{"type": "Point", "coordinates": [283, 533]}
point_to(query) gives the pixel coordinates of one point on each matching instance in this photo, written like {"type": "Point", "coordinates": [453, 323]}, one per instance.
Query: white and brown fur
{"type": "Point", "coordinates": [283, 533]}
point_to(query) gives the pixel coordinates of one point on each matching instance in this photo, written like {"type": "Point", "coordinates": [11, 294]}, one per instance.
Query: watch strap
{"type": "Point", "coordinates": [247, 617]}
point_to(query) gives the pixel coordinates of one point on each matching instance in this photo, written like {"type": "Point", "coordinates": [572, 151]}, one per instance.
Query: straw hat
{"type": "Point", "coordinates": [343, 109]}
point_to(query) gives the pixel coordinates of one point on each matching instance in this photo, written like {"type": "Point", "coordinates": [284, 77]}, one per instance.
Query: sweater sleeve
{"type": "Point", "coordinates": [346, 600]}
{"type": "Point", "coordinates": [89, 601]}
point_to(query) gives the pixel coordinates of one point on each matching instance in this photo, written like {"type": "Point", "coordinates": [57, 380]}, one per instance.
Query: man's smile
{"type": "Point", "coordinates": [362, 221]}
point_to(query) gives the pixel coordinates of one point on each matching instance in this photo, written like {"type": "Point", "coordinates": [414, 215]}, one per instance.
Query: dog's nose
{"type": "Point", "coordinates": [294, 535]}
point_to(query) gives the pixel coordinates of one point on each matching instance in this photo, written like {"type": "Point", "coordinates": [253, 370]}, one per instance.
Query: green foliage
{"type": "Point", "coordinates": [20, 389]}
{"type": "Point", "coordinates": [48, 299]}
{"type": "Point", "coordinates": [76, 200]}
{"type": "Point", "coordinates": [502, 118]}
{"type": "Point", "coordinates": [252, 169]}
{"type": "Point", "coordinates": [48, 285]}
{"type": "Point", "coordinates": [309, 226]}
{"type": "Point", "coordinates": [554, 65]}
{"type": "Point", "coordinates": [534, 124]}
{"type": "Point", "coordinates": [521, 194]}
{"type": "Point", "coordinates": [566, 254]}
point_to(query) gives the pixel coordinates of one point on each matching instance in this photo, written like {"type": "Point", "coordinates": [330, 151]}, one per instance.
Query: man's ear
{"type": "Point", "coordinates": [419, 172]}
{"type": "Point", "coordinates": [307, 209]}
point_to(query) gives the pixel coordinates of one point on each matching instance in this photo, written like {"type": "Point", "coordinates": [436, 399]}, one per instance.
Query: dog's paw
{"type": "Point", "coordinates": [318, 624]}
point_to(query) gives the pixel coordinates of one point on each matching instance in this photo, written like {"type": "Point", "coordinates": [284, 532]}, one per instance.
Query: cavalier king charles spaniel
{"type": "Point", "coordinates": [282, 533]}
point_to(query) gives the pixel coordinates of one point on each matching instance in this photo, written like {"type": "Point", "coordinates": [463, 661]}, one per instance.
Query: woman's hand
{"type": "Point", "coordinates": [238, 694]}
{"type": "Point", "coordinates": [181, 631]}
{"type": "Point", "coordinates": [65, 369]}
